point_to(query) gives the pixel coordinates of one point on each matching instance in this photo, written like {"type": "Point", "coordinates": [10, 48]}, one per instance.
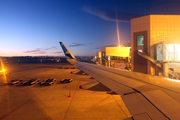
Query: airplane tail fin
{"type": "Point", "coordinates": [70, 57]}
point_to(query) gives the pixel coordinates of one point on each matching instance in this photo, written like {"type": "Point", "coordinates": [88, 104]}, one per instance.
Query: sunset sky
{"type": "Point", "coordinates": [35, 27]}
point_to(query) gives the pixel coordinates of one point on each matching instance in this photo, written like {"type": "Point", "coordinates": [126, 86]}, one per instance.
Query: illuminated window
{"type": "Point", "coordinates": [140, 50]}
{"type": "Point", "coordinates": [140, 40]}
{"type": "Point", "coordinates": [103, 54]}
{"type": "Point", "coordinates": [177, 52]}
{"type": "Point", "coordinates": [109, 57]}
{"type": "Point", "coordinates": [169, 52]}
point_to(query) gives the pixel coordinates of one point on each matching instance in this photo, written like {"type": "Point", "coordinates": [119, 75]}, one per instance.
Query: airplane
{"type": "Point", "coordinates": [147, 97]}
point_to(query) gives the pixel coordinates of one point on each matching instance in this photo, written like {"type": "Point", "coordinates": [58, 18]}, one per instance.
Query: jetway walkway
{"type": "Point", "coordinates": [146, 56]}
{"type": "Point", "coordinates": [157, 63]}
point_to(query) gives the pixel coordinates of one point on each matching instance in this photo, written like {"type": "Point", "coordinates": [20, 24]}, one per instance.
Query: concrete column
{"type": "Point", "coordinates": [109, 63]}
{"type": "Point", "coordinates": [165, 69]}
{"type": "Point", "coordinates": [156, 70]}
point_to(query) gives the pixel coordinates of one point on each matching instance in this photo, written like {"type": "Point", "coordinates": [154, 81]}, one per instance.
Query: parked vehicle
{"type": "Point", "coordinates": [13, 82]}
{"type": "Point", "coordinates": [50, 82]}
{"type": "Point", "coordinates": [44, 81]}
{"type": "Point", "coordinates": [66, 80]}
{"type": "Point", "coordinates": [30, 82]}
{"type": "Point", "coordinates": [34, 81]}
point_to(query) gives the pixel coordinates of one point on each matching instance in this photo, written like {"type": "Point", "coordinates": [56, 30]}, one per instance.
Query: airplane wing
{"type": "Point", "coordinates": [146, 97]}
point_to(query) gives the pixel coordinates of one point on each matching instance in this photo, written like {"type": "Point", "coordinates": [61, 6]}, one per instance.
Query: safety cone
{"type": "Point", "coordinates": [70, 94]}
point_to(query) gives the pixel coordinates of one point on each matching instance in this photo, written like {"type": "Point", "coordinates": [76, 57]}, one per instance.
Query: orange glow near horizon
{"type": "Point", "coordinates": [16, 53]}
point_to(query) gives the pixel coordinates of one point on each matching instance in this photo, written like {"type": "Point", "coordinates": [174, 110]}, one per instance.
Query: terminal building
{"type": "Point", "coordinates": [115, 57]}
{"type": "Point", "coordinates": [112, 56]}
{"type": "Point", "coordinates": [98, 58]}
{"type": "Point", "coordinates": [155, 46]}
{"type": "Point", "coordinates": [155, 42]}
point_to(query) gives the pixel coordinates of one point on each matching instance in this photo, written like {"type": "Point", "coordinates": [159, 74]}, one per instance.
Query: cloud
{"type": "Point", "coordinates": [75, 44]}
{"type": "Point", "coordinates": [33, 51]}
{"type": "Point", "coordinates": [41, 52]}
{"type": "Point", "coordinates": [36, 51]}
{"type": "Point", "coordinates": [110, 15]}
{"type": "Point", "coordinates": [53, 47]}
{"type": "Point", "coordinates": [58, 52]}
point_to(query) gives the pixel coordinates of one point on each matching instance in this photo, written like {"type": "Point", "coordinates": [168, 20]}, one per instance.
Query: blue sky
{"type": "Point", "coordinates": [35, 27]}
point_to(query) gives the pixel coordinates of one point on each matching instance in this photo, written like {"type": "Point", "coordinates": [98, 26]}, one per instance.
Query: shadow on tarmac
{"type": "Point", "coordinates": [80, 73]}
{"type": "Point", "coordinates": [99, 87]}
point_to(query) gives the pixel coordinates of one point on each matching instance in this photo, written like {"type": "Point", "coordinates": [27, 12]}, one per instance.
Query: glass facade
{"type": "Point", "coordinates": [140, 40]}
{"type": "Point", "coordinates": [117, 58]}
{"type": "Point", "coordinates": [109, 57]}
{"type": "Point", "coordinates": [177, 52]}
{"type": "Point", "coordinates": [171, 52]}
{"type": "Point", "coordinates": [159, 52]}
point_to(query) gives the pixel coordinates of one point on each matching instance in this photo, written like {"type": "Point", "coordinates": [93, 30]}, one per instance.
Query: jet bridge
{"type": "Point", "coordinates": [157, 63]}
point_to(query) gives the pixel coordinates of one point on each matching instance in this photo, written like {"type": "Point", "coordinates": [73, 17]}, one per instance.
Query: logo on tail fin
{"type": "Point", "coordinates": [66, 51]}
{"type": "Point", "coordinates": [70, 57]}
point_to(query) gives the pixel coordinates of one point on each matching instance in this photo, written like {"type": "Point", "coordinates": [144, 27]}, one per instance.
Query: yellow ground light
{"type": "Point", "coordinates": [4, 71]}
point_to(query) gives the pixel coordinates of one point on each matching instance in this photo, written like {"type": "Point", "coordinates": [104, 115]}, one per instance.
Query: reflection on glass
{"type": "Point", "coordinates": [159, 52]}
{"type": "Point", "coordinates": [140, 40]}
{"type": "Point", "coordinates": [171, 52]}
{"type": "Point", "coordinates": [103, 54]}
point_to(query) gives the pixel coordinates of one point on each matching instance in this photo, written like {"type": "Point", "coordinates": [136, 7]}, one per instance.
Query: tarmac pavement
{"type": "Point", "coordinates": [18, 102]}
